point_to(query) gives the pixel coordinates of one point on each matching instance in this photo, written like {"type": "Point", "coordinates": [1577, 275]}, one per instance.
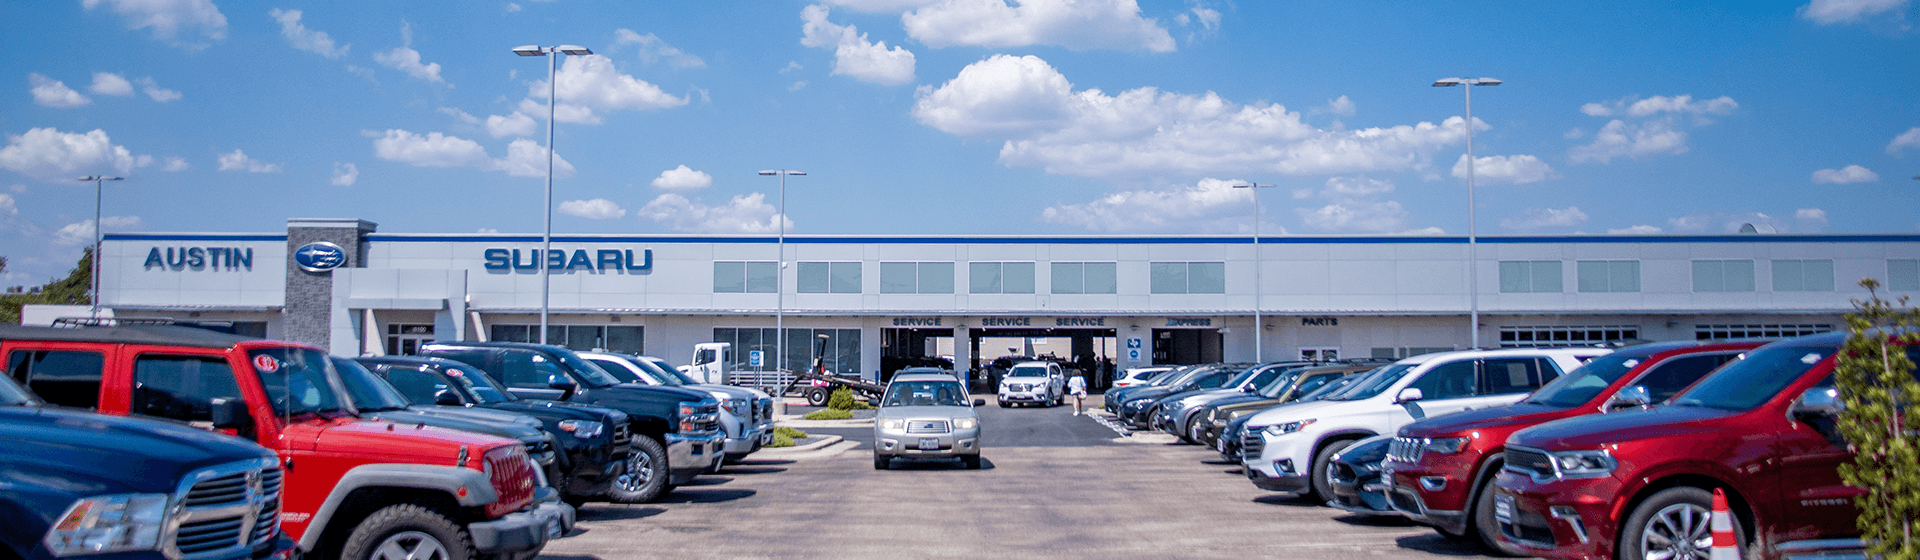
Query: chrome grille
{"type": "Point", "coordinates": [1531, 462]}
{"type": "Point", "coordinates": [227, 509]}
{"type": "Point", "coordinates": [1406, 450]}
{"type": "Point", "coordinates": [1251, 445]}
{"type": "Point", "coordinates": [927, 427]}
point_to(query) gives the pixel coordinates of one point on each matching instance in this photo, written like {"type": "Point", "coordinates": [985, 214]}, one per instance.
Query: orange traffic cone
{"type": "Point", "coordinates": [1725, 547]}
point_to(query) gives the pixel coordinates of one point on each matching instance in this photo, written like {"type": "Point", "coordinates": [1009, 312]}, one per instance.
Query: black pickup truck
{"type": "Point", "coordinates": [675, 431]}
{"type": "Point", "coordinates": [591, 442]}
{"type": "Point", "coordinates": [84, 483]}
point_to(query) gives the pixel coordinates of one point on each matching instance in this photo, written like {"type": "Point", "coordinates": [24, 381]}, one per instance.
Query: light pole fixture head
{"type": "Point", "coordinates": [782, 172]}
{"type": "Point", "coordinates": [573, 50]}
{"type": "Point", "coordinates": [1250, 186]}
{"type": "Point", "coordinates": [1485, 82]}
{"type": "Point", "coordinates": [529, 50]}
{"type": "Point", "coordinates": [1448, 82]}
{"type": "Point", "coordinates": [100, 178]}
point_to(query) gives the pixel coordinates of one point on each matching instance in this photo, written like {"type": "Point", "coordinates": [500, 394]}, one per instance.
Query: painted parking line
{"type": "Point", "coordinates": [1108, 420]}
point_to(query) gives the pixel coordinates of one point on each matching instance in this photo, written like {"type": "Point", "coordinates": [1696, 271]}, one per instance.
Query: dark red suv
{"type": "Point", "coordinates": [1639, 484]}
{"type": "Point", "coordinates": [1439, 469]}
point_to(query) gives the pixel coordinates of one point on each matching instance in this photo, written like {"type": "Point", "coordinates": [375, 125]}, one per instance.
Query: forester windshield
{"type": "Point", "coordinates": [1028, 371]}
{"type": "Point", "coordinates": [1584, 382]}
{"type": "Point", "coordinates": [924, 393]}
{"type": "Point", "coordinates": [296, 380]}
{"type": "Point", "coordinates": [1741, 385]}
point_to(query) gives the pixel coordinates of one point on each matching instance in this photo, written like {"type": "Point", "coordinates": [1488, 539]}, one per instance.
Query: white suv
{"type": "Point", "coordinates": [1287, 448]}
{"type": "Point", "coordinates": [1036, 382]}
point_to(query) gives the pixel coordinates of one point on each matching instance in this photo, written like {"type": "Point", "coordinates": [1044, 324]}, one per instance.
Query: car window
{"type": "Point", "coordinates": [296, 380]}
{"type": "Point", "coordinates": [1315, 382]}
{"type": "Point", "coordinates": [417, 386]}
{"type": "Point", "coordinates": [62, 378]}
{"type": "Point", "coordinates": [368, 392]}
{"type": "Point", "coordinates": [924, 393]}
{"type": "Point", "coordinates": [1753, 380]}
{"type": "Point", "coordinates": [1447, 381]}
{"type": "Point", "coordinates": [1584, 382]}
{"type": "Point", "coordinates": [1667, 379]}
{"type": "Point", "coordinates": [483, 388]}
{"type": "Point", "coordinates": [1374, 383]}
{"type": "Point", "coordinates": [14, 395]}
{"type": "Point", "coordinates": [1506, 376]}
{"type": "Point", "coordinates": [1028, 371]}
{"type": "Point", "coordinates": [526, 369]}
{"type": "Point", "coordinates": [181, 387]}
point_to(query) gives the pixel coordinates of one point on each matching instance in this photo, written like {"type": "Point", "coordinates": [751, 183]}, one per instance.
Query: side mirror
{"type": "Point", "coordinates": [979, 402]}
{"type": "Point", "coordinates": [1630, 397]}
{"type": "Point", "coordinates": [231, 414]}
{"type": "Point", "coordinates": [444, 397]}
{"type": "Point", "coordinates": [1818, 401]}
{"type": "Point", "coordinates": [561, 382]}
{"type": "Point", "coordinates": [1409, 394]}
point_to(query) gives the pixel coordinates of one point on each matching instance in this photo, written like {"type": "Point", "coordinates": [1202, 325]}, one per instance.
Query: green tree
{"type": "Point", "coordinates": [70, 290]}
{"type": "Point", "coordinates": [1877, 387]}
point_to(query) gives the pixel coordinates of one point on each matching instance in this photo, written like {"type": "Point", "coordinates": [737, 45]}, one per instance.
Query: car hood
{"type": "Point", "coordinates": [558, 410]}
{"type": "Point", "coordinates": [1594, 430]}
{"type": "Point", "coordinates": [722, 392]}
{"type": "Point", "coordinates": [910, 412]}
{"type": "Point", "coordinates": [1236, 400]}
{"type": "Point", "coordinates": [484, 415]}
{"type": "Point", "coordinates": [1520, 414]}
{"type": "Point", "coordinates": [396, 442]}
{"type": "Point", "coordinates": [512, 429]}
{"type": "Point", "coordinates": [83, 453]}
{"type": "Point", "coordinates": [1299, 411]}
{"type": "Point", "coordinates": [1146, 393]}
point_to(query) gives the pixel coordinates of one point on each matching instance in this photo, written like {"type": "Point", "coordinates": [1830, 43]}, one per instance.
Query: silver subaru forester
{"type": "Point", "coordinates": [926, 416]}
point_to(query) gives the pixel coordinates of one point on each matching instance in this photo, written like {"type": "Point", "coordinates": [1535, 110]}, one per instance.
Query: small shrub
{"type": "Point", "coordinates": [829, 414]}
{"type": "Point", "coordinates": [781, 440]}
{"type": "Point", "coordinates": [789, 432]}
{"type": "Point", "coordinates": [842, 399]}
{"type": "Point", "coordinates": [862, 405]}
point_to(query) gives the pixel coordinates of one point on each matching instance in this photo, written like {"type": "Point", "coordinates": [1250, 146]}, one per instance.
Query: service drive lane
{"type": "Point", "coordinates": [1054, 485]}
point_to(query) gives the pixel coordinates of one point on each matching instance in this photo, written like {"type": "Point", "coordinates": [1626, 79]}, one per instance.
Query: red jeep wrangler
{"type": "Point", "coordinates": [351, 486]}
{"type": "Point", "coordinates": [1639, 484]}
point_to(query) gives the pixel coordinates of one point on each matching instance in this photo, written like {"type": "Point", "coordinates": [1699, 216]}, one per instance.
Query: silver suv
{"type": "Point", "coordinates": [926, 416]}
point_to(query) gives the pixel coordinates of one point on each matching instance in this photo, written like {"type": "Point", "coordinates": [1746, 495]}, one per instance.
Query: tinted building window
{"type": "Point", "coordinates": [1530, 277]}
{"type": "Point", "coordinates": [1723, 276]}
{"type": "Point", "coordinates": [1609, 276]}
{"type": "Point", "coordinates": [1811, 275]}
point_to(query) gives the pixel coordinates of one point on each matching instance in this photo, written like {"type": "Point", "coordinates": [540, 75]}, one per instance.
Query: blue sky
{"type": "Point", "coordinates": [956, 117]}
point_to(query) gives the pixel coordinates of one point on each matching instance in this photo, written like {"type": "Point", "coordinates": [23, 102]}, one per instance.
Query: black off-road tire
{"type": "Point", "coordinates": [881, 462]}
{"type": "Point", "coordinates": [1650, 512]}
{"type": "Point", "coordinates": [646, 476]}
{"type": "Point", "coordinates": [1319, 488]}
{"type": "Point", "coordinates": [971, 461]}
{"type": "Point", "coordinates": [1480, 521]}
{"type": "Point", "coordinates": [415, 529]}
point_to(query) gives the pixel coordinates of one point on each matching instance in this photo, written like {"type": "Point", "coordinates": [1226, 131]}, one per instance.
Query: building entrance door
{"type": "Point", "coordinates": [405, 340]}
{"type": "Point", "coordinates": [1181, 347]}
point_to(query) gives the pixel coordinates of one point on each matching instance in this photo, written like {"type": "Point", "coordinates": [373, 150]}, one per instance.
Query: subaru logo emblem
{"type": "Point", "coordinates": [319, 256]}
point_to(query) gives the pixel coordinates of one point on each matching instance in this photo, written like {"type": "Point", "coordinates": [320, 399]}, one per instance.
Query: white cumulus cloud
{"type": "Point", "coordinates": [748, 213]}
{"type": "Point", "coordinates": [1831, 12]}
{"type": "Point", "coordinates": [81, 232]}
{"type": "Point", "coordinates": [108, 83]}
{"type": "Point", "coordinates": [853, 54]}
{"type": "Point", "coordinates": [1646, 127]}
{"type": "Point", "coordinates": [1635, 230]}
{"type": "Point", "coordinates": [1044, 123]}
{"type": "Point", "coordinates": [1519, 170]}
{"type": "Point", "coordinates": [516, 124]}
{"type": "Point", "coordinates": [175, 164]}
{"type": "Point", "coordinates": [1207, 206]}
{"type": "Point", "coordinates": [405, 59]}
{"type": "Point", "coordinates": [1341, 106]}
{"type": "Point", "coordinates": [1729, 223]}
{"type": "Point", "coordinates": [153, 90]}
{"type": "Point", "coordinates": [1908, 139]}
{"type": "Point", "coordinates": [48, 92]}
{"type": "Point", "coordinates": [653, 49]}
{"type": "Point", "coordinates": [1540, 218]}
{"type": "Point", "coordinates": [1812, 217]}
{"type": "Point", "coordinates": [1355, 205]}
{"type": "Point", "coordinates": [1680, 104]}
{"type": "Point", "coordinates": [525, 158]}
{"type": "Point", "coordinates": [590, 83]}
{"type": "Point", "coordinates": [238, 161]}
{"type": "Point", "coordinates": [1078, 25]}
{"type": "Point", "coordinates": [596, 209]}
{"type": "Point", "coordinates": [316, 42]}
{"type": "Point", "coordinates": [57, 157]}
{"type": "Point", "coordinates": [167, 17]}
{"type": "Point", "coordinates": [1619, 139]}
{"type": "Point", "coordinates": [682, 178]}
{"type": "Point", "coordinates": [345, 174]}
{"type": "Point", "coordinates": [1845, 175]}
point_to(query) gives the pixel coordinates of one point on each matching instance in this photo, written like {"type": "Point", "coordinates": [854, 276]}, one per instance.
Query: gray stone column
{"type": "Point", "coordinates": [309, 308]}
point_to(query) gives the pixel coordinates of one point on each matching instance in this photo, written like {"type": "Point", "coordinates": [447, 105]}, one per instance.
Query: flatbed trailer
{"type": "Point", "coordinates": [816, 387]}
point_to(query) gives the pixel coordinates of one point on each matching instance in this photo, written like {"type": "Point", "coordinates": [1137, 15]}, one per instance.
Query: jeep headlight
{"type": "Point", "coordinates": [1289, 427]}
{"type": "Point", "coordinates": [1446, 446]}
{"type": "Point", "coordinates": [583, 429]}
{"type": "Point", "coordinates": [965, 423]}
{"type": "Point", "coordinates": [892, 424]}
{"type": "Point", "coordinates": [111, 523]}
{"type": "Point", "coordinates": [1583, 463]}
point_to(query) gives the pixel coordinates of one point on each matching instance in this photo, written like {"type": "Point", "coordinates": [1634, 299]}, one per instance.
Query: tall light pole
{"type": "Point", "coordinates": [1473, 254]}
{"type": "Point", "coordinates": [546, 208]}
{"type": "Point", "coordinates": [1259, 349]}
{"type": "Point", "coordinates": [779, 272]}
{"type": "Point", "coordinates": [97, 180]}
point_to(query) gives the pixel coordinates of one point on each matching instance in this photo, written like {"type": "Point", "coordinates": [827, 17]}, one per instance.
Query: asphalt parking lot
{"type": "Point", "coordinates": [1052, 485]}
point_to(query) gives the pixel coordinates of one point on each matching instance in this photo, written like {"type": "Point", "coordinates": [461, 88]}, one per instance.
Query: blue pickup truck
{"type": "Point", "coordinates": [76, 484]}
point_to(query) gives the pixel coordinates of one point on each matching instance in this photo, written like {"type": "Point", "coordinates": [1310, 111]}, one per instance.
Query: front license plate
{"type": "Point", "coordinates": [1503, 509]}
{"type": "Point", "coordinates": [929, 443]}
{"type": "Point", "coordinates": [1222, 445]}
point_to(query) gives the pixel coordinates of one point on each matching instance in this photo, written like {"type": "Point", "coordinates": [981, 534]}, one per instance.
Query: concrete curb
{"type": "Point", "coordinates": [773, 451]}
{"type": "Point", "coordinates": [815, 453]}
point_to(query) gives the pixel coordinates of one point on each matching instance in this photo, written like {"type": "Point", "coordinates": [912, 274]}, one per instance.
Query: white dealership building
{"type": "Point", "coordinates": [853, 300]}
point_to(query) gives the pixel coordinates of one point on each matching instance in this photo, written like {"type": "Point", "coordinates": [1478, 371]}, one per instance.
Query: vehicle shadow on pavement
{"type": "Point", "coordinates": [738, 469]}
{"type": "Point", "coordinates": [683, 495]}
{"type": "Point", "coordinates": [614, 512]}
{"type": "Point", "coordinates": [932, 465]}
{"type": "Point", "coordinates": [708, 480]}
{"type": "Point", "coordinates": [762, 462]}
{"type": "Point", "coordinates": [1288, 500]}
{"type": "Point", "coordinates": [569, 557]}
{"type": "Point", "coordinates": [1434, 543]}
{"type": "Point", "coordinates": [1376, 521]}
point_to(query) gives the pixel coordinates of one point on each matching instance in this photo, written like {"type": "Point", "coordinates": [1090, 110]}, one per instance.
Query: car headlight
{"type": "Point", "coordinates": [1289, 427]}
{"type": "Point", "coordinates": [110, 523]}
{"type": "Point", "coordinates": [734, 406]}
{"type": "Point", "coordinates": [1235, 415]}
{"type": "Point", "coordinates": [892, 424]}
{"type": "Point", "coordinates": [583, 429]}
{"type": "Point", "coordinates": [1597, 462]}
{"type": "Point", "coordinates": [965, 423]}
{"type": "Point", "coordinates": [1446, 446]}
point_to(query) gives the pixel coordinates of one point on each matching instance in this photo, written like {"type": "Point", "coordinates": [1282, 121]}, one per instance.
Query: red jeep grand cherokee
{"type": "Point", "coordinates": [1441, 467]}
{"type": "Point", "coordinates": [1639, 484]}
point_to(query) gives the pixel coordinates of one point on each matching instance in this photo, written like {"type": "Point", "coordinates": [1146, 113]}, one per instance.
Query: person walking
{"type": "Point", "coordinates": [1078, 386]}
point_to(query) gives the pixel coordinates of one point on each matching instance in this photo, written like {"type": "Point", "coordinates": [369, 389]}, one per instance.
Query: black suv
{"type": "Point", "coordinates": [674, 430]}
{"type": "Point", "coordinates": [85, 483]}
